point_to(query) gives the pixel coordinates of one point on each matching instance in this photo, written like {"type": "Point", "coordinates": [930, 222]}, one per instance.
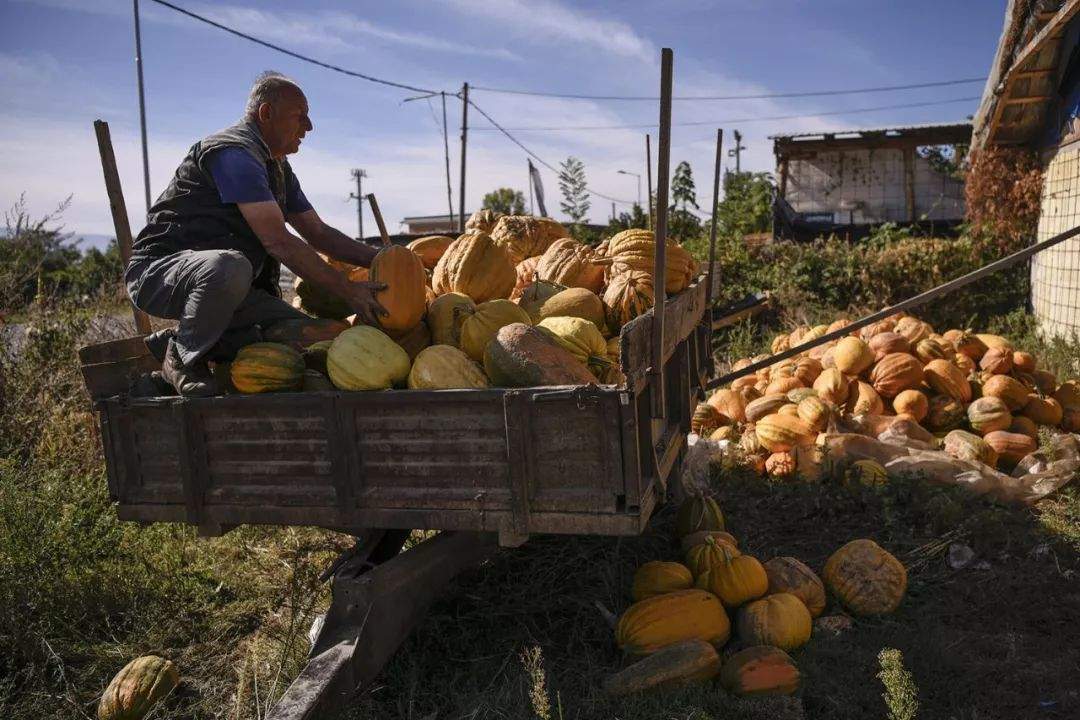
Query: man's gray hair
{"type": "Point", "coordinates": [268, 88]}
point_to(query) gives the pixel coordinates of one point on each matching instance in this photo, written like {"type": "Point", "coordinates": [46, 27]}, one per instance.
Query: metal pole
{"type": "Point", "coordinates": [529, 183]}
{"type": "Point", "coordinates": [359, 174]}
{"type": "Point", "coordinates": [663, 162]}
{"type": "Point", "coordinates": [142, 107]}
{"type": "Point", "coordinates": [648, 171]}
{"type": "Point", "coordinates": [712, 248]}
{"type": "Point", "coordinates": [464, 136]}
{"type": "Point", "coordinates": [639, 189]}
{"type": "Point", "coordinates": [446, 154]}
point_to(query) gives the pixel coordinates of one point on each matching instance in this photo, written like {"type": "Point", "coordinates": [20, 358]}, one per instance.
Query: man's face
{"type": "Point", "coordinates": [285, 123]}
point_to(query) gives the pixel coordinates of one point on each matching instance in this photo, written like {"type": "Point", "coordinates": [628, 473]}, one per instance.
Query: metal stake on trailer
{"type": "Point", "coordinates": [142, 106]}
{"type": "Point", "coordinates": [648, 172]}
{"type": "Point", "coordinates": [464, 137]}
{"type": "Point", "coordinates": [712, 245]}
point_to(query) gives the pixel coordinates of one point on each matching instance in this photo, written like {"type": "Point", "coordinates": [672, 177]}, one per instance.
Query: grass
{"type": "Point", "coordinates": [81, 593]}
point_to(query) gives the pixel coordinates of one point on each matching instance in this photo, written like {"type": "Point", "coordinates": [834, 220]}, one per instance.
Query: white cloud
{"type": "Point", "coordinates": [330, 30]}
{"type": "Point", "coordinates": [548, 20]}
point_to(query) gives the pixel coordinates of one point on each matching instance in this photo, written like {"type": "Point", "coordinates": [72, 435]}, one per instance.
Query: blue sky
{"type": "Point", "coordinates": [64, 63]}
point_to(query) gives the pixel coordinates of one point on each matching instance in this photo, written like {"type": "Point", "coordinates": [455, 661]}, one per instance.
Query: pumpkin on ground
{"type": "Point", "coordinates": [442, 367]}
{"type": "Point", "coordinates": [696, 513]}
{"type": "Point", "coordinates": [267, 367]}
{"type": "Point", "coordinates": [895, 373]}
{"type": "Point", "coordinates": [479, 325]}
{"type": "Point", "coordinates": [701, 536]}
{"type": "Point", "coordinates": [782, 433]}
{"type": "Point", "coordinates": [706, 420]}
{"type": "Point", "coordinates": [852, 356]}
{"type": "Point", "coordinates": [679, 664]}
{"type": "Point", "coordinates": [913, 403]}
{"type": "Point", "coordinates": [522, 356]}
{"type": "Point", "coordinates": [365, 358]}
{"type": "Point", "coordinates": [663, 620]}
{"type": "Point", "coordinates": [475, 266]}
{"type": "Point", "coordinates": [947, 379]}
{"type": "Point", "coordinates": [867, 579]}
{"type": "Point", "coordinates": [789, 575]}
{"type": "Point", "coordinates": [736, 579]}
{"type": "Point", "coordinates": [764, 406]}
{"type": "Point", "coordinates": [988, 414]}
{"type": "Point", "coordinates": [704, 556]}
{"type": "Point", "coordinates": [780, 620]}
{"type": "Point", "coordinates": [1044, 411]}
{"type": "Point", "coordinates": [137, 688]}
{"type": "Point", "coordinates": [658, 577]}
{"type": "Point", "coordinates": [760, 670]}
{"type": "Point", "coordinates": [729, 404]}
{"type": "Point", "coordinates": [968, 446]}
{"type": "Point", "coordinates": [867, 472]}
{"type": "Point", "coordinates": [1010, 447]}
{"type": "Point", "coordinates": [1011, 391]}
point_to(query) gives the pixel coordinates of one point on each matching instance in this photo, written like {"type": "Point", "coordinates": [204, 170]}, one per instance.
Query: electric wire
{"type": "Point", "coordinates": [536, 157]}
{"type": "Point", "coordinates": [762, 96]}
{"type": "Point", "coordinates": [732, 121]}
{"type": "Point", "coordinates": [290, 53]}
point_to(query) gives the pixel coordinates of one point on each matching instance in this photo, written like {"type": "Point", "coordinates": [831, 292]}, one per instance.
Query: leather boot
{"type": "Point", "coordinates": [189, 380]}
{"type": "Point", "coordinates": [158, 343]}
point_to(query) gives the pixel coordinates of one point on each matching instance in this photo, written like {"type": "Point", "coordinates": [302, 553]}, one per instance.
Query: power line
{"type": "Point", "coordinates": [536, 157]}
{"type": "Point", "coordinates": [762, 96]}
{"type": "Point", "coordinates": [290, 53]}
{"type": "Point", "coordinates": [732, 121]}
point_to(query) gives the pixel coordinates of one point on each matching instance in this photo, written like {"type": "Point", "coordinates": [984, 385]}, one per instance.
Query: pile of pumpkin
{"type": "Point", "coordinates": [973, 394]}
{"type": "Point", "coordinates": [681, 618]}
{"type": "Point", "coordinates": [512, 302]}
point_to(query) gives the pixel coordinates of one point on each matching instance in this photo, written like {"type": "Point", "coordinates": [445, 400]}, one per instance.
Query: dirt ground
{"type": "Point", "coordinates": [995, 639]}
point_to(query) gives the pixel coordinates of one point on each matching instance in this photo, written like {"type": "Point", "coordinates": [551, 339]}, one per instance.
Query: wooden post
{"type": "Point", "coordinates": [378, 219]}
{"type": "Point", "coordinates": [663, 161]}
{"type": "Point", "coordinates": [464, 137]}
{"type": "Point", "coordinates": [648, 172]}
{"type": "Point", "coordinates": [783, 176]}
{"type": "Point", "coordinates": [712, 249]}
{"type": "Point", "coordinates": [119, 210]}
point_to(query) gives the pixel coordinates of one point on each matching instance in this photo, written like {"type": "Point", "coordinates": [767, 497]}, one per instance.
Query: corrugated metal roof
{"type": "Point", "coordinates": [858, 132]}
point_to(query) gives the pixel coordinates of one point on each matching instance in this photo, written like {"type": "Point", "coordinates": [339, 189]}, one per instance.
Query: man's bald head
{"type": "Point", "coordinates": [278, 106]}
{"type": "Point", "coordinates": [270, 87]}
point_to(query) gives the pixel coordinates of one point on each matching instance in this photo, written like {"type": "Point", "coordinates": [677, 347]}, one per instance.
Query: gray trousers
{"type": "Point", "coordinates": [209, 292]}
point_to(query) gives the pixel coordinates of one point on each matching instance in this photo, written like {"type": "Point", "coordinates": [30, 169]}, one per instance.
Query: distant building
{"type": "Point", "coordinates": [1032, 99]}
{"type": "Point", "coordinates": [431, 224]}
{"type": "Point", "coordinates": [848, 182]}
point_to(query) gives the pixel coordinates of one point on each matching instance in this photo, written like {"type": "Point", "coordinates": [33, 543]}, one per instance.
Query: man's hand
{"type": "Point", "coordinates": [361, 298]}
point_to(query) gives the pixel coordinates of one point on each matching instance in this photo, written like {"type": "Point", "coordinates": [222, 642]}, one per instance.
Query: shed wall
{"type": "Point", "coordinates": [1055, 273]}
{"type": "Point", "coordinates": [873, 179]}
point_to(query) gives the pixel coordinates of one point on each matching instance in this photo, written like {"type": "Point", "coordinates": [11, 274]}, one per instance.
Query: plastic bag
{"type": "Point", "coordinates": [700, 455]}
{"type": "Point", "coordinates": [1035, 476]}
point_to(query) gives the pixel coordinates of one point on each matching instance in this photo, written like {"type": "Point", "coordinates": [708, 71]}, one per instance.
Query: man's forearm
{"type": "Point", "coordinates": [340, 246]}
{"type": "Point", "coordinates": [299, 257]}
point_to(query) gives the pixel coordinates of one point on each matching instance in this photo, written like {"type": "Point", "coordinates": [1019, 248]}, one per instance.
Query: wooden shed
{"type": "Point", "coordinates": [847, 182]}
{"type": "Point", "coordinates": [1032, 99]}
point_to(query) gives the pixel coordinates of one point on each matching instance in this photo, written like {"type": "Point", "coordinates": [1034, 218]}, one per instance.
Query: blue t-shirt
{"type": "Point", "coordinates": [241, 178]}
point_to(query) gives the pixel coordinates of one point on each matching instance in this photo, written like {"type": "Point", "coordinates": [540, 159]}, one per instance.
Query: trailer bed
{"type": "Point", "coordinates": [582, 459]}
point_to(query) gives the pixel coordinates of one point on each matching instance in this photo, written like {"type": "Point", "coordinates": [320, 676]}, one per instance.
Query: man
{"type": "Point", "coordinates": [210, 252]}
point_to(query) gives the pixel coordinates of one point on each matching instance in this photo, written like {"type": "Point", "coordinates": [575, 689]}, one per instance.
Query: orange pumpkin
{"type": "Point", "coordinates": [760, 670]}
{"type": "Point", "coordinates": [735, 579]}
{"type": "Point", "coordinates": [429, 249]}
{"type": "Point", "coordinates": [789, 575]}
{"type": "Point", "coordinates": [404, 298]}
{"type": "Point", "coordinates": [780, 620]}
{"type": "Point", "coordinates": [895, 373]}
{"type": "Point", "coordinates": [569, 263]}
{"type": "Point", "coordinates": [866, 578]}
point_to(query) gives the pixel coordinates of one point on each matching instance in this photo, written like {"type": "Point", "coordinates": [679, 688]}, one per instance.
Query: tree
{"type": "Point", "coordinates": [506, 201]}
{"type": "Point", "coordinates": [747, 204]}
{"type": "Point", "coordinates": [636, 218]}
{"type": "Point", "coordinates": [683, 191]}
{"type": "Point", "coordinates": [575, 192]}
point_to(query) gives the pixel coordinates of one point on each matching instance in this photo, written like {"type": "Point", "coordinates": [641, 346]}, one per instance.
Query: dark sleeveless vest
{"type": "Point", "coordinates": [189, 214]}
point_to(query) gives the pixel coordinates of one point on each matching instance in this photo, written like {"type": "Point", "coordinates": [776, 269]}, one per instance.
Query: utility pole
{"type": "Point", "coordinates": [358, 175]}
{"type": "Point", "coordinates": [736, 152]}
{"type": "Point", "coordinates": [142, 106]}
{"type": "Point", "coordinates": [464, 136]}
